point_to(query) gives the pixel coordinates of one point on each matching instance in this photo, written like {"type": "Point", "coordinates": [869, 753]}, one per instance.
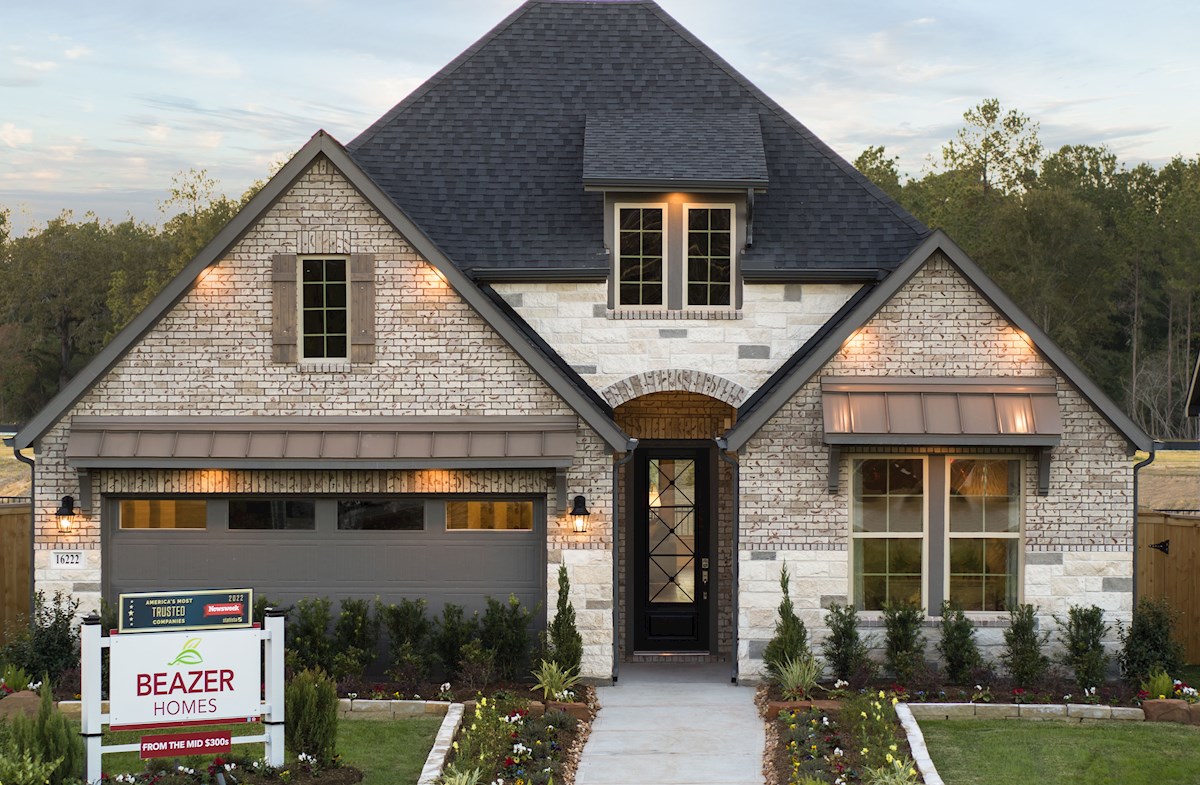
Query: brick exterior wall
{"type": "Point", "coordinates": [211, 355]}
{"type": "Point", "coordinates": [1078, 542]}
{"type": "Point", "coordinates": [774, 322]}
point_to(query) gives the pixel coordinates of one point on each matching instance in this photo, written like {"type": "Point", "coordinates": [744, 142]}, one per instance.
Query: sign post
{"type": "Point", "coordinates": [199, 663]}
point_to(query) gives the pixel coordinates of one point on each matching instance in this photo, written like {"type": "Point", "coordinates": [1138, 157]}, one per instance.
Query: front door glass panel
{"type": "Point", "coordinates": [672, 530]}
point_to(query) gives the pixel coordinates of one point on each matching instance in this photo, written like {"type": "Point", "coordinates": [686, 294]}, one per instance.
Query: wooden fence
{"type": "Point", "coordinates": [14, 564]}
{"type": "Point", "coordinates": [1174, 574]}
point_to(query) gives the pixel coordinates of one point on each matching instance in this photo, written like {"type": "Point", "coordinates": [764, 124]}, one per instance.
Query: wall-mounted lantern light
{"type": "Point", "coordinates": [579, 515]}
{"type": "Point", "coordinates": [66, 514]}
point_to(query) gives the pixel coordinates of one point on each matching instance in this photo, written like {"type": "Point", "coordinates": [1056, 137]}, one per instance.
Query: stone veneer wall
{"type": "Point", "coordinates": [211, 355]}
{"type": "Point", "coordinates": [1078, 539]}
{"type": "Point", "coordinates": [774, 322]}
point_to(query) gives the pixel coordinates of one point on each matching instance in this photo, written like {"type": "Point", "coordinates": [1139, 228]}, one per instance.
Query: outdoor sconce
{"type": "Point", "coordinates": [66, 514]}
{"type": "Point", "coordinates": [579, 515]}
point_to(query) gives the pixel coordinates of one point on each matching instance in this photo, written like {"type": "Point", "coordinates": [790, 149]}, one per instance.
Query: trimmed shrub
{"type": "Point", "coordinates": [505, 630]}
{"type": "Point", "coordinates": [904, 645]}
{"type": "Point", "coordinates": [48, 737]}
{"type": "Point", "coordinates": [311, 707]}
{"type": "Point", "coordinates": [1023, 654]}
{"type": "Point", "coordinates": [355, 637]}
{"type": "Point", "coordinates": [1147, 643]}
{"type": "Point", "coordinates": [308, 643]}
{"type": "Point", "coordinates": [48, 641]}
{"type": "Point", "coordinates": [407, 628]}
{"type": "Point", "coordinates": [958, 647]}
{"type": "Point", "coordinates": [1083, 645]}
{"type": "Point", "coordinates": [791, 637]}
{"type": "Point", "coordinates": [845, 650]}
{"type": "Point", "coordinates": [566, 644]}
{"type": "Point", "coordinates": [477, 665]}
{"type": "Point", "coordinates": [451, 632]}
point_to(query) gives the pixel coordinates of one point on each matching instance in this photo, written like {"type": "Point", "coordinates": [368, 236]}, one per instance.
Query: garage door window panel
{"type": "Point", "coordinates": [189, 514]}
{"type": "Point", "coordinates": [272, 514]}
{"type": "Point", "coordinates": [489, 515]}
{"type": "Point", "coordinates": [381, 515]}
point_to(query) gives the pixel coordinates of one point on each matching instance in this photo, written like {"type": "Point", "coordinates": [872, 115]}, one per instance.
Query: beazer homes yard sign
{"type": "Point", "coordinates": [184, 678]}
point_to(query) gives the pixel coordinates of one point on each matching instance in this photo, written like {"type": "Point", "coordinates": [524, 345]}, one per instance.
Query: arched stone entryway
{"type": "Point", "coordinates": [676, 464]}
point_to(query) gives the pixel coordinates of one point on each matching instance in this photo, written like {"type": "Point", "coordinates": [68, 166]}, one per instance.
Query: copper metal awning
{"type": "Point", "coordinates": [1019, 411]}
{"type": "Point", "coordinates": [323, 442]}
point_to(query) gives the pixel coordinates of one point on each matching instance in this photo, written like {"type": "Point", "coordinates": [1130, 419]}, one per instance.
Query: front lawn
{"type": "Point", "coordinates": [1014, 752]}
{"type": "Point", "coordinates": [387, 753]}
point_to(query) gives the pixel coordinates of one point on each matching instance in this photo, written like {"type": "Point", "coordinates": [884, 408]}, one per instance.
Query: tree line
{"type": "Point", "coordinates": [1103, 256]}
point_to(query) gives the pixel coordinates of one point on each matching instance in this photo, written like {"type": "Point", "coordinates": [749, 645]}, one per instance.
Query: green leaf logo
{"type": "Point", "coordinates": [188, 655]}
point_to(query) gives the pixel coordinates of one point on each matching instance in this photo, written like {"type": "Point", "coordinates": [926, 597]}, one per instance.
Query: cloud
{"type": "Point", "coordinates": [202, 64]}
{"type": "Point", "coordinates": [76, 52]}
{"type": "Point", "coordinates": [41, 66]}
{"type": "Point", "coordinates": [15, 137]}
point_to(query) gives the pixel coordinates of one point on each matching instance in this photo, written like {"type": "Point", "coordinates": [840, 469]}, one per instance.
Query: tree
{"type": "Point", "coordinates": [1000, 149]}
{"type": "Point", "coordinates": [880, 169]}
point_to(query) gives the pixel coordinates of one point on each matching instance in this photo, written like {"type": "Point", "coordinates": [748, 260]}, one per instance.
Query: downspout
{"type": "Point", "coordinates": [32, 523]}
{"type": "Point", "coordinates": [616, 550]}
{"type": "Point", "coordinates": [722, 452]}
{"type": "Point", "coordinates": [1137, 467]}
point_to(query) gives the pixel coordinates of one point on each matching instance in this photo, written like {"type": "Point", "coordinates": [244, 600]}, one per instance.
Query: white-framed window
{"type": "Point", "coordinates": [984, 531]}
{"type": "Point", "coordinates": [888, 527]}
{"type": "Point", "coordinates": [324, 308]}
{"type": "Point", "coordinates": [641, 245]}
{"type": "Point", "coordinates": [708, 255]}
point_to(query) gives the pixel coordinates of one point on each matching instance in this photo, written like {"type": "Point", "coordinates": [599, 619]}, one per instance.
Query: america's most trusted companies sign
{"type": "Point", "coordinates": [186, 610]}
{"type": "Point", "coordinates": [184, 678]}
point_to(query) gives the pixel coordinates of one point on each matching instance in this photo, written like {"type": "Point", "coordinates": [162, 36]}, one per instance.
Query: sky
{"type": "Point", "coordinates": [102, 105]}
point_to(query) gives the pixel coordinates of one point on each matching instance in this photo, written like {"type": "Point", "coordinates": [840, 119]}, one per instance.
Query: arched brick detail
{"type": "Point", "coordinates": [675, 380]}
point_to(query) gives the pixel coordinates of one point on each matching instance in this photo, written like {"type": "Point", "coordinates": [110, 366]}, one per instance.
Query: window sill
{"type": "Point", "coordinates": [874, 619]}
{"type": "Point", "coordinates": [323, 366]}
{"type": "Point", "coordinates": [670, 314]}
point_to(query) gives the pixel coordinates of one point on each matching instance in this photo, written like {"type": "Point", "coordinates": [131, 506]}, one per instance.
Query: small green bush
{"type": "Point", "coordinates": [797, 677]}
{"type": "Point", "coordinates": [1023, 654]}
{"type": "Point", "coordinates": [24, 768]}
{"type": "Point", "coordinates": [477, 665]}
{"type": "Point", "coordinates": [904, 645]}
{"type": "Point", "coordinates": [555, 682]}
{"type": "Point", "coordinates": [453, 630]}
{"type": "Point", "coordinates": [49, 736]}
{"type": "Point", "coordinates": [14, 678]}
{"type": "Point", "coordinates": [791, 637]}
{"type": "Point", "coordinates": [47, 642]}
{"type": "Point", "coordinates": [408, 630]}
{"type": "Point", "coordinates": [311, 708]}
{"type": "Point", "coordinates": [308, 642]}
{"type": "Point", "coordinates": [844, 648]}
{"type": "Point", "coordinates": [355, 637]}
{"type": "Point", "coordinates": [1159, 684]}
{"type": "Point", "coordinates": [565, 642]}
{"type": "Point", "coordinates": [958, 647]}
{"type": "Point", "coordinates": [1147, 643]}
{"type": "Point", "coordinates": [1083, 645]}
{"type": "Point", "coordinates": [505, 630]}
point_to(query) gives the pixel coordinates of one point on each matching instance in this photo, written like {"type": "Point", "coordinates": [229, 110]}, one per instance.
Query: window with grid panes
{"type": "Point", "coordinates": [709, 256]}
{"type": "Point", "coordinates": [324, 309]}
{"type": "Point", "coordinates": [984, 531]}
{"type": "Point", "coordinates": [887, 530]}
{"type": "Point", "coordinates": [641, 242]}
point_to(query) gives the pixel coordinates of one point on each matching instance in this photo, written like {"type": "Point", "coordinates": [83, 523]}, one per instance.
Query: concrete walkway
{"type": "Point", "coordinates": [668, 724]}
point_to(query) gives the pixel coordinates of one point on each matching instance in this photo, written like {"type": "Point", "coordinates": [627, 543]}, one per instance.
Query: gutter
{"type": "Point", "coordinates": [616, 551]}
{"type": "Point", "coordinates": [723, 454]}
{"type": "Point", "coordinates": [32, 519]}
{"type": "Point", "coordinates": [1137, 467]}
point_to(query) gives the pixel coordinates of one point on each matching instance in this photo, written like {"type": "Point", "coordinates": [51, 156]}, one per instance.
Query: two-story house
{"type": "Point", "coordinates": [589, 264]}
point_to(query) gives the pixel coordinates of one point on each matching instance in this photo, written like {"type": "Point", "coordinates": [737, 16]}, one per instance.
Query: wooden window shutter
{"type": "Point", "coordinates": [283, 308]}
{"type": "Point", "coordinates": [362, 308]}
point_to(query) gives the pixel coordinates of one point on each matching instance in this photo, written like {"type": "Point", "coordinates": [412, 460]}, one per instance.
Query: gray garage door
{"type": "Point", "coordinates": [443, 549]}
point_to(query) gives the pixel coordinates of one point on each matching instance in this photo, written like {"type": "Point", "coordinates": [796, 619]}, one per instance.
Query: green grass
{"type": "Point", "coordinates": [387, 753]}
{"type": "Point", "coordinates": [1014, 752]}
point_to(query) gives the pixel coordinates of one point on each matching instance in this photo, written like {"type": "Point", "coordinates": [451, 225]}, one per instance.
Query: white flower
{"type": "Point", "coordinates": [837, 752]}
{"type": "Point", "coordinates": [446, 687]}
{"type": "Point", "coordinates": [978, 688]}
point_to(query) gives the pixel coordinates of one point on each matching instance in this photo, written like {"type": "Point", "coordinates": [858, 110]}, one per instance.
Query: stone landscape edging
{"type": "Point", "coordinates": [916, 743]}
{"type": "Point", "coordinates": [435, 762]}
{"type": "Point", "coordinates": [1066, 712]}
{"type": "Point", "coordinates": [366, 709]}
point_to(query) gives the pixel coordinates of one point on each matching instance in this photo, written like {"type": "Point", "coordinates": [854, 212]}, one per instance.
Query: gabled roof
{"type": "Point", "coordinates": [321, 145]}
{"type": "Point", "coordinates": [488, 155]}
{"type": "Point", "coordinates": [761, 407]}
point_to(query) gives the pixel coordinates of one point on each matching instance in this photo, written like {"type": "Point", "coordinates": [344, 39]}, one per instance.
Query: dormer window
{"type": "Point", "coordinates": [675, 256]}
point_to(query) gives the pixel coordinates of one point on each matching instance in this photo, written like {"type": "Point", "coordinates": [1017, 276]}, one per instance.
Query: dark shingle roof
{"type": "Point", "coordinates": [487, 156]}
{"type": "Point", "coordinates": [673, 150]}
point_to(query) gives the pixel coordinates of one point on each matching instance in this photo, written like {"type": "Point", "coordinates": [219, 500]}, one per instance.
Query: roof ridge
{"type": "Point", "coordinates": [828, 152]}
{"type": "Point", "coordinates": [441, 75]}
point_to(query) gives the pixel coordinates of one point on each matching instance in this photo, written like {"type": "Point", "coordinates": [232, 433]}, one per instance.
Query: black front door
{"type": "Point", "coordinates": [671, 512]}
